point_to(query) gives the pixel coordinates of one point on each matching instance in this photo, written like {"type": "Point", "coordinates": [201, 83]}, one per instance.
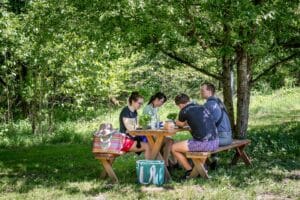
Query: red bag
{"type": "Point", "coordinates": [108, 140]}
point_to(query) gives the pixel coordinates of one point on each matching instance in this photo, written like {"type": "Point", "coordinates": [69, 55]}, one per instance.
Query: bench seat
{"type": "Point", "coordinates": [199, 158]}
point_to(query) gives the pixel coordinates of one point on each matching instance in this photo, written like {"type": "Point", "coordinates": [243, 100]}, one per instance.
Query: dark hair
{"type": "Point", "coordinates": [158, 95]}
{"type": "Point", "coordinates": [134, 97]}
{"type": "Point", "coordinates": [182, 99]}
{"type": "Point", "coordinates": [210, 87]}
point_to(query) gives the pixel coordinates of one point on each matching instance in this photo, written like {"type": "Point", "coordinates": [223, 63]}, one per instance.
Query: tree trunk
{"type": "Point", "coordinates": [33, 117]}
{"type": "Point", "coordinates": [8, 112]}
{"type": "Point", "coordinates": [227, 90]}
{"type": "Point", "coordinates": [243, 91]}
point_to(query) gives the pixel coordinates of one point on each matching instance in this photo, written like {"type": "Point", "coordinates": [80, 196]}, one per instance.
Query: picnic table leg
{"type": "Point", "coordinates": [199, 167]}
{"type": "Point", "coordinates": [104, 173]}
{"type": "Point", "coordinates": [155, 151]}
{"type": "Point", "coordinates": [167, 173]}
{"type": "Point", "coordinates": [107, 164]}
{"type": "Point", "coordinates": [156, 146]}
{"type": "Point", "coordinates": [194, 173]}
{"type": "Point", "coordinates": [150, 140]}
{"type": "Point", "coordinates": [240, 153]}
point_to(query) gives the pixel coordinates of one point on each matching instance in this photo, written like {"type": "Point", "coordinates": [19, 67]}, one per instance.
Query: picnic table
{"type": "Point", "coordinates": [155, 139]}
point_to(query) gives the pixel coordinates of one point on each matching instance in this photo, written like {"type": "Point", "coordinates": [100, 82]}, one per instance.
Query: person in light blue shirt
{"type": "Point", "coordinates": [156, 101]}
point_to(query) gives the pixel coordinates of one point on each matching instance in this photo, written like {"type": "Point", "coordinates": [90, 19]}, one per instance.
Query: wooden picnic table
{"type": "Point", "coordinates": [155, 139]}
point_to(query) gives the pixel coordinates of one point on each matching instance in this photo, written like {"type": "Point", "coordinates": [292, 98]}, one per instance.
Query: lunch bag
{"type": "Point", "coordinates": [150, 172]}
{"type": "Point", "coordinates": [109, 143]}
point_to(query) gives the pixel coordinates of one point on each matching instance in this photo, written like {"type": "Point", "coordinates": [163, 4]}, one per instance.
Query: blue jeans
{"type": "Point", "coordinates": [225, 138]}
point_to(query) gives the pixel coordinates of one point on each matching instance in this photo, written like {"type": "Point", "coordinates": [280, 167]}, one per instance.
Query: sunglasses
{"type": "Point", "coordinates": [140, 103]}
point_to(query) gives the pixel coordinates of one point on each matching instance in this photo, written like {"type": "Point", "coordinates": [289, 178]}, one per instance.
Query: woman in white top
{"type": "Point", "coordinates": [156, 101]}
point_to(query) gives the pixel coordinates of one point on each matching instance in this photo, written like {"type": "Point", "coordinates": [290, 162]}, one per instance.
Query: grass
{"type": "Point", "coordinates": [61, 165]}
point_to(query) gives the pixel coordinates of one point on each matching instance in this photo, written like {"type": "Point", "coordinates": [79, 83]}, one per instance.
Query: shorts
{"type": "Point", "coordinates": [127, 144]}
{"type": "Point", "coordinates": [198, 145]}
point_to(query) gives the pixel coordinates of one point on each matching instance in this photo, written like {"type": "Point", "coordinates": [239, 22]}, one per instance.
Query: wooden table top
{"type": "Point", "coordinates": [157, 131]}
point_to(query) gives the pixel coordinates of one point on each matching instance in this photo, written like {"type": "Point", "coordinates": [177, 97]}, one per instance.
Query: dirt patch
{"type": "Point", "coordinates": [99, 197]}
{"type": "Point", "coordinates": [270, 196]}
{"type": "Point", "coordinates": [295, 175]}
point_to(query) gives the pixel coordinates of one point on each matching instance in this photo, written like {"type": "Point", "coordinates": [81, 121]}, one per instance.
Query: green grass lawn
{"type": "Point", "coordinates": [61, 165]}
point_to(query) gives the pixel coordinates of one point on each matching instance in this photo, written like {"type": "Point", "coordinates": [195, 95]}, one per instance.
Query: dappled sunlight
{"type": "Point", "coordinates": [62, 165]}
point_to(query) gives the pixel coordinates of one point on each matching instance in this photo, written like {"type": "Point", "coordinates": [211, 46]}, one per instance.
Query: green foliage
{"type": "Point", "coordinates": [144, 121]}
{"type": "Point", "coordinates": [81, 55]}
{"type": "Point", "coordinates": [172, 116]}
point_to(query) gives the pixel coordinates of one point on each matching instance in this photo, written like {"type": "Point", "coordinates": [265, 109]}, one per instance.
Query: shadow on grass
{"type": "Point", "coordinates": [274, 150]}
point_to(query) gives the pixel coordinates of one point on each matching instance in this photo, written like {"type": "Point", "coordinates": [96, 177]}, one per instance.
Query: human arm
{"type": "Point", "coordinates": [180, 123]}
{"type": "Point", "coordinates": [130, 123]}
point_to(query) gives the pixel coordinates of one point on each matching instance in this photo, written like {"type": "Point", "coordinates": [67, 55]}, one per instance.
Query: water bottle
{"type": "Point", "coordinates": [157, 123]}
{"type": "Point", "coordinates": [153, 122]}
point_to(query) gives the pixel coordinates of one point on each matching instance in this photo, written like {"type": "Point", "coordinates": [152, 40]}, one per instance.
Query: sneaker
{"type": "Point", "coordinates": [191, 162]}
{"type": "Point", "coordinates": [213, 165]}
{"type": "Point", "coordinates": [186, 175]}
{"type": "Point", "coordinates": [206, 167]}
{"type": "Point", "coordinates": [172, 167]}
{"type": "Point", "coordinates": [176, 166]}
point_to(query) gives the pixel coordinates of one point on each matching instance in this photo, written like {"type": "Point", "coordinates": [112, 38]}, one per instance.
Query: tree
{"type": "Point", "coordinates": [81, 50]}
{"type": "Point", "coordinates": [216, 38]}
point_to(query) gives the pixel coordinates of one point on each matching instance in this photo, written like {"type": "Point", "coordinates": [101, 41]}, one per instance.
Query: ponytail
{"type": "Point", "coordinates": [134, 97]}
{"type": "Point", "coordinates": [158, 95]}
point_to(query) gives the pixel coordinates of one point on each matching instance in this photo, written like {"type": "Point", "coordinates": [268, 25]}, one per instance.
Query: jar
{"type": "Point", "coordinates": [169, 125]}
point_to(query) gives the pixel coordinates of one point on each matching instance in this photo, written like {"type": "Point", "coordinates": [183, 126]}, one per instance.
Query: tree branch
{"type": "Point", "coordinates": [273, 66]}
{"type": "Point", "coordinates": [176, 57]}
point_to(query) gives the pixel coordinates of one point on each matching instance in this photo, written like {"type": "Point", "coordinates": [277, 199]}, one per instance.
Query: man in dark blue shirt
{"type": "Point", "coordinates": [203, 130]}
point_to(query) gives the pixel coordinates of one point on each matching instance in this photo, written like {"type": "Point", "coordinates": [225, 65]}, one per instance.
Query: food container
{"type": "Point", "coordinates": [169, 125]}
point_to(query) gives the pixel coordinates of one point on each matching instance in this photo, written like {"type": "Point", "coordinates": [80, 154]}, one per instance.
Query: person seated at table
{"type": "Point", "coordinates": [128, 122]}
{"type": "Point", "coordinates": [151, 109]}
{"type": "Point", "coordinates": [203, 131]}
{"type": "Point", "coordinates": [219, 113]}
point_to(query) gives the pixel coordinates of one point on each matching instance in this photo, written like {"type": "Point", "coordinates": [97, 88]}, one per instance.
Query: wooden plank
{"type": "Point", "coordinates": [155, 132]}
{"type": "Point", "coordinates": [109, 170]}
{"type": "Point", "coordinates": [199, 165]}
{"type": "Point", "coordinates": [150, 140]}
{"type": "Point", "coordinates": [244, 156]}
{"type": "Point", "coordinates": [235, 144]}
{"type": "Point", "coordinates": [157, 146]}
{"type": "Point", "coordinates": [105, 155]}
{"type": "Point", "coordinates": [241, 154]}
{"type": "Point", "coordinates": [167, 173]}
{"type": "Point", "coordinates": [107, 161]}
{"type": "Point", "coordinates": [197, 154]}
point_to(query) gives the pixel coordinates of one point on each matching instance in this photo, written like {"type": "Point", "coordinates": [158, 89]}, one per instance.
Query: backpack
{"type": "Point", "coordinates": [223, 110]}
{"type": "Point", "coordinates": [209, 127]}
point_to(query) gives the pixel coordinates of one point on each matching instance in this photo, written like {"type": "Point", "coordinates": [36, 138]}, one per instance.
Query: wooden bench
{"type": "Point", "coordinates": [199, 158]}
{"type": "Point", "coordinates": [107, 159]}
